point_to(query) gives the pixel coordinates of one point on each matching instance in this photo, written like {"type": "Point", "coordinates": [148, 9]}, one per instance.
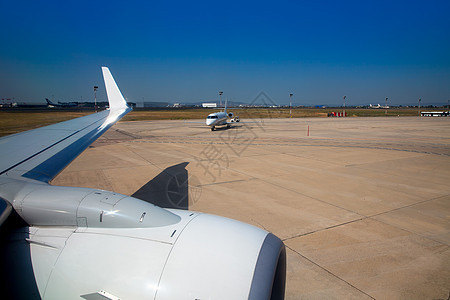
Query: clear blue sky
{"type": "Point", "coordinates": [188, 51]}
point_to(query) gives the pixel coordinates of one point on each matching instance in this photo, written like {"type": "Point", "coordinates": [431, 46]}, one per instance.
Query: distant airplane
{"type": "Point", "coordinates": [60, 104]}
{"type": "Point", "coordinates": [61, 242]}
{"type": "Point", "coordinates": [377, 106]}
{"type": "Point", "coordinates": [220, 118]}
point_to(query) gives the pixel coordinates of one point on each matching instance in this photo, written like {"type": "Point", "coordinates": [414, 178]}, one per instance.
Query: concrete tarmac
{"type": "Point", "coordinates": [362, 204]}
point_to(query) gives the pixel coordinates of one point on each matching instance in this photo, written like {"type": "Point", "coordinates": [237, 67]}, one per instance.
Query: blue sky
{"type": "Point", "coordinates": [188, 51]}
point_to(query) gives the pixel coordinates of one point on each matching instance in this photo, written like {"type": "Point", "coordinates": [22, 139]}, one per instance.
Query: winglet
{"type": "Point", "coordinates": [115, 98]}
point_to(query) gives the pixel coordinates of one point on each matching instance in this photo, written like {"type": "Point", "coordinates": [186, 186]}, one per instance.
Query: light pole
{"type": "Point", "coordinates": [95, 97]}
{"type": "Point", "coordinates": [419, 106]}
{"type": "Point", "coordinates": [290, 105]}
{"type": "Point", "coordinates": [344, 106]}
{"type": "Point", "coordinates": [385, 107]}
{"type": "Point", "coordinates": [220, 95]}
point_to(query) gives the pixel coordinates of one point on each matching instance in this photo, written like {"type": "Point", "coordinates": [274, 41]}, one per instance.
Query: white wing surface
{"type": "Point", "coordinates": [42, 153]}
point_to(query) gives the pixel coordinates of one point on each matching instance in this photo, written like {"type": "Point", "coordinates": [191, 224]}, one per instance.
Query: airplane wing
{"type": "Point", "coordinates": [69, 243]}
{"type": "Point", "coordinates": [42, 153]}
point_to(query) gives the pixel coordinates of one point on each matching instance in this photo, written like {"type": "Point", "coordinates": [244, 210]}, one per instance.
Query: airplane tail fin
{"type": "Point", "coordinates": [115, 98]}
{"type": "Point", "coordinates": [226, 100]}
{"type": "Point", "coordinates": [48, 101]}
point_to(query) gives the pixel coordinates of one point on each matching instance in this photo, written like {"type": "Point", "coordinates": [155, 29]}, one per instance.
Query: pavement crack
{"type": "Point", "coordinates": [326, 228]}
{"type": "Point", "coordinates": [329, 272]}
{"type": "Point", "coordinates": [410, 205]}
{"type": "Point", "coordinates": [297, 192]}
{"type": "Point", "coordinates": [372, 218]}
{"type": "Point", "coordinates": [222, 182]}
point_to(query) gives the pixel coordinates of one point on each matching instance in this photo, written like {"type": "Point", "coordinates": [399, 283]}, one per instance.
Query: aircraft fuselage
{"type": "Point", "coordinates": [217, 119]}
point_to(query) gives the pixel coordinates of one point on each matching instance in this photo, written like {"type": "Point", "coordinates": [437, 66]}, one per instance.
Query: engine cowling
{"type": "Point", "coordinates": [46, 205]}
{"type": "Point", "coordinates": [227, 259]}
{"type": "Point", "coordinates": [163, 254]}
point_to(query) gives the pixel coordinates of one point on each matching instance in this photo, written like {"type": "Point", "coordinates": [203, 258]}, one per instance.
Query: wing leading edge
{"type": "Point", "coordinates": [42, 153]}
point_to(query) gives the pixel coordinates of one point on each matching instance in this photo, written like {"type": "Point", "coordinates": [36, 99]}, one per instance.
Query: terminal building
{"type": "Point", "coordinates": [209, 104]}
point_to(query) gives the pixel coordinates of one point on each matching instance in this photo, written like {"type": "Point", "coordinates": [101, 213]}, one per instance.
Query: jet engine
{"type": "Point", "coordinates": [88, 243]}
{"type": "Point", "coordinates": [233, 118]}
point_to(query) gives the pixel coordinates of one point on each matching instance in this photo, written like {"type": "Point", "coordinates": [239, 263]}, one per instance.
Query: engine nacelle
{"type": "Point", "coordinates": [230, 115]}
{"type": "Point", "coordinates": [228, 260]}
{"type": "Point", "coordinates": [47, 205]}
{"type": "Point", "coordinates": [89, 243]}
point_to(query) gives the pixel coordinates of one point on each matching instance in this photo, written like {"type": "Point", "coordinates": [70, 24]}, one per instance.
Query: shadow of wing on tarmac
{"type": "Point", "coordinates": [169, 189]}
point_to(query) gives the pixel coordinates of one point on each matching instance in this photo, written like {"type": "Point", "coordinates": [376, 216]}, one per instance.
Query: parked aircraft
{"type": "Point", "coordinates": [377, 106]}
{"type": "Point", "coordinates": [60, 104]}
{"type": "Point", "coordinates": [221, 118]}
{"type": "Point", "coordinates": [71, 243]}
